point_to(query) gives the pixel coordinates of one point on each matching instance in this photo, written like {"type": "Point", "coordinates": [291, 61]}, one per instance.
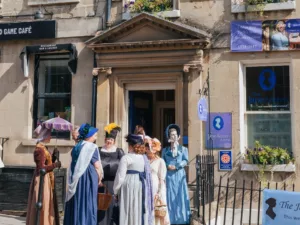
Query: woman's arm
{"type": "Point", "coordinates": [40, 159]}
{"type": "Point", "coordinates": [121, 174]}
{"type": "Point", "coordinates": [185, 159]}
{"type": "Point", "coordinates": [162, 172]}
{"type": "Point", "coordinates": [98, 167]}
{"type": "Point", "coordinates": [96, 161]}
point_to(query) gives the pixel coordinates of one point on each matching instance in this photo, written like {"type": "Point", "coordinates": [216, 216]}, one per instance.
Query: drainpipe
{"type": "Point", "coordinates": [108, 13]}
{"type": "Point", "coordinates": [94, 95]}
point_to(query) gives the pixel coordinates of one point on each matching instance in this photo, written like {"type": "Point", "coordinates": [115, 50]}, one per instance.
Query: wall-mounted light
{"type": "Point", "coordinates": [38, 15]}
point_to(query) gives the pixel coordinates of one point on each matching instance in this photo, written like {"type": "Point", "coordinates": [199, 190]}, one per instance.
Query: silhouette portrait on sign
{"type": "Point", "coordinates": [272, 203]}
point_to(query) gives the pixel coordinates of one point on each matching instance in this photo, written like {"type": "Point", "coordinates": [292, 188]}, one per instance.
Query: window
{"type": "Point", "coordinates": [240, 6]}
{"type": "Point", "coordinates": [52, 90]}
{"type": "Point", "coordinates": [267, 95]}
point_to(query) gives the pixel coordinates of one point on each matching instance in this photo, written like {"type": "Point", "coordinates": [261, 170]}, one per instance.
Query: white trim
{"type": "Point", "coordinates": [274, 168]}
{"type": "Point", "coordinates": [267, 112]}
{"type": "Point", "coordinates": [150, 86]}
{"type": "Point", "coordinates": [242, 107]}
{"type": "Point", "coordinates": [241, 8]}
{"type": "Point", "coordinates": [51, 2]}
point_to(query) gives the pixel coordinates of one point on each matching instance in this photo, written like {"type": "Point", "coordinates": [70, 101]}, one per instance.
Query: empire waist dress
{"type": "Point", "coordinates": [110, 161]}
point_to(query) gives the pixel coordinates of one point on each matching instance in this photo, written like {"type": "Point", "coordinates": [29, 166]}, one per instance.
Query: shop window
{"type": "Point", "coordinates": [268, 117]}
{"type": "Point", "coordinates": [52, 90]}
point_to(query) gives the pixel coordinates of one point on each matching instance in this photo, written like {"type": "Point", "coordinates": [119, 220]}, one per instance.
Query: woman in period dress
{"type": "Point", "coordinates": [84, 176]}
{"type": "Point", "coordinates": [158, 172]}
{"type": "Point", "coordinates": [110, 158]}
{"type": "Point", "coordinates": [176, 158]}
{"type": "Point", "coordinates": [43, 160]}
{"type": "Point", "coordinates": [130, 184]}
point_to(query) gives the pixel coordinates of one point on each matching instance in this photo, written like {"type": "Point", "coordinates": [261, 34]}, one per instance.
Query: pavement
{"type": "Point", "coordinates": [12, 220]}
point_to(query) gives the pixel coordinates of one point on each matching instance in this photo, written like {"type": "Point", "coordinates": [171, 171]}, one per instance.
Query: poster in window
{"type": "Point", "coordinates": [267, 88]}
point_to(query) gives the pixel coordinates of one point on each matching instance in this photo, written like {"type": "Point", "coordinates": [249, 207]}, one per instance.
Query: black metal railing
{"type": "Point", "coordinates": [205, 182]}
{"type": "Point", "coordinates": [231, 196]}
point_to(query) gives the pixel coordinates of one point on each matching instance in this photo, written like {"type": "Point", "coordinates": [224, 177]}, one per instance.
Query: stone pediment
{"type": "Point", "coordinates": [146, 29]}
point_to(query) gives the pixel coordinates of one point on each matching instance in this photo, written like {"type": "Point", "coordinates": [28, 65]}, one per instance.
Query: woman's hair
{"type": "Point", "coordinates": [139, 130]}
{"type": "Point", "coordinates": [139, 149]}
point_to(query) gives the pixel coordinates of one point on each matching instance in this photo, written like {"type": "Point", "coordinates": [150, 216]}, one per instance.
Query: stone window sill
{"type": "Point", "coordinates": [166, 14]}
{"type": "Point", "coordinates": [241, 8]}
{"type": "Point", "coordinates": [59, 143]}
{"type": "Point", "coordinates": [51, 2]}
{"type": "Point", "coordinates": [287, 168]}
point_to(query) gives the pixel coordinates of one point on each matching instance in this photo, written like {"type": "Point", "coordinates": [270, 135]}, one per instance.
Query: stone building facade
{"type": "Point", "coordinates": [146, 66]}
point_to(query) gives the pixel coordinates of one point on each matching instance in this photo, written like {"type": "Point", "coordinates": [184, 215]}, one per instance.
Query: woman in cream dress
{"type": "Point", "coordinates": [130, 184]}
{"type": "Point", "coordinates": [158, 172]}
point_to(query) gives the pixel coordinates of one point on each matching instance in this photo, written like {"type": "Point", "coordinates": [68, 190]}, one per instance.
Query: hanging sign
{"type": "Point", "coordinates": [219, 131]}
{"type": "Point", "coordinates": [202, 109]}
{"type": "Point", "coordinates": [225, 160]}
{"type": "Point", "coordinates": [281, 207]}
{"type": "Point", "coordinates": [28, 30]}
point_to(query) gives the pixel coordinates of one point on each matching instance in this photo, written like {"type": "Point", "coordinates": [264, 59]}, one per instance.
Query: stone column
{"type": "Point", "coordinates": [103, 103]}
{"type": "Point", "coordinates": [195, 141]}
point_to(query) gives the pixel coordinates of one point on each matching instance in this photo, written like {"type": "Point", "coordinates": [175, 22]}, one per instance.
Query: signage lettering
{"type": "Point", "coordinates": [28, 30]}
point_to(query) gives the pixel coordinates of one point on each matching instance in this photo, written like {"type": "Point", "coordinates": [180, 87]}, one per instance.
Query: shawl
{"type": "Point", "coordinates": [149, 190]}
{"type": "Point", "coordinates": [87, 150]}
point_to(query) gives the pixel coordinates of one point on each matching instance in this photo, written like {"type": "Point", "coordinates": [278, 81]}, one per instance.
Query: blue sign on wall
{"type": "Point", "coordinates": [219, 131]}
{"type": "Point", "coordinates": [246, 36]}
{"type": "Point", "coordinates": [225, 160]}
{"type": "Point", "coordinates": [281, 207]}
{"type": "Point", "coordinates": [202, 109]}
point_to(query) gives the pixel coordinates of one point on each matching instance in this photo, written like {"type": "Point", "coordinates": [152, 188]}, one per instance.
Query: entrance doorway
{"type": "Point", "coordinates": [154, 110]}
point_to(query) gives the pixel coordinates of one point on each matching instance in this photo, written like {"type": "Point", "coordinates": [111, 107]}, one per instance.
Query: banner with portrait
{"type": "Point", "coordinates": [269, 35]}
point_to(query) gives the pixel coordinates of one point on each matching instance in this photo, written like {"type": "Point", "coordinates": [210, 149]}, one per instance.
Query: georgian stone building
{"type": "Point", "coordinates": [148, 69]}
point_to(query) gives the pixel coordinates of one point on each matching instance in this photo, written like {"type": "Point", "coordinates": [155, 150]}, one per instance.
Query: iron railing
{"type": "Point", "coordinates": [231, 201]}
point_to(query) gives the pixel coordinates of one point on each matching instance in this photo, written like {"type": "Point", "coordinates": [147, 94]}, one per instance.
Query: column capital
{"type": "Point", "coordinates": [105, 70]}
{"type": "Point", "coordinates": [190, 67]}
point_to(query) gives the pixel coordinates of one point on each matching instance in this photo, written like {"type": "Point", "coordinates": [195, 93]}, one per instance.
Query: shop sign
{"type": "Point", "coordinates": [219, 131]}
{"type": "Point", "coordinates": [202, 109]}
{"type": "Point", "coordinates": [225, 160]}
{"type": "Point", "coordinates": [281, 207]}
{"type": "Point", "coordinates": [269, 35]}
{"type": "Point", "coordinates": [28, 30]}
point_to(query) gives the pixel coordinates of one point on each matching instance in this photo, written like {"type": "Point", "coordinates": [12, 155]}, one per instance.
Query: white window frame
{"type": "Point", "coordinates": [241, 7]}
{"type": "Point", "coordinates": [243, 105]}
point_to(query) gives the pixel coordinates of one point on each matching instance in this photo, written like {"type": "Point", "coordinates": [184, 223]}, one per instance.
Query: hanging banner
{"type": "Point", "coordinates": [269, 35]}
{"type": "Point", "coordinates": [202, 109]}
{"type": "Point", "coordinates": [219, 131]}
{"type": "Point", "coordinates": [281, 207]}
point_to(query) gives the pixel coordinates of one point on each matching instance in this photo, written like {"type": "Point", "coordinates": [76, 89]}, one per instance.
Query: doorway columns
{"type": "Point", "coordinates": [195, 134]}
{"type": "Point", "coordinates": [103, 100]}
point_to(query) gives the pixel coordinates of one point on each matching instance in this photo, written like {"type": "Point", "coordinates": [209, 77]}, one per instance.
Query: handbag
{"type": "Point", "coordinates": [160, 208]}
{"type": "Point", "coordinates": [104, 199]}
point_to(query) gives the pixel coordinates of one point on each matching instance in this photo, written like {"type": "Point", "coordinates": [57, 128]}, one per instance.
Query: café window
{"type": "Point", "coordinates": [268, 117]}
{"type": "Point", "coordinates": [52, 90]}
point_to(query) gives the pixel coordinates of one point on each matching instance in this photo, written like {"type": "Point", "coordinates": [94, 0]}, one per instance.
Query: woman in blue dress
{"type": "Point", "coordinates": [176, 158]}
{"type": "Point", "coordinates": [84, 177]}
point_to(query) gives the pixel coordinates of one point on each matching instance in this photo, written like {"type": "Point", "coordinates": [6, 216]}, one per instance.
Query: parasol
{"type": "Point", "coordinates": [57, 124]}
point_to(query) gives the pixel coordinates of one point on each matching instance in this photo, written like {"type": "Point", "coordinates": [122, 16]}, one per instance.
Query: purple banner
{"type": "Point", "coordinates": [219, 131]}
{"type": "Point", "coordinates": [246, 36]}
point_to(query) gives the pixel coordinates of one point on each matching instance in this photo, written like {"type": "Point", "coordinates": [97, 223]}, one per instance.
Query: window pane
{"type": "Point", "coordinates": [53, 91]}
{"type": "Point", "coordinates": [270, 129]}
{"type": "Point", "coordinates": [268, 88]}
{"type": "Point", "coordinates": [54, 76]}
